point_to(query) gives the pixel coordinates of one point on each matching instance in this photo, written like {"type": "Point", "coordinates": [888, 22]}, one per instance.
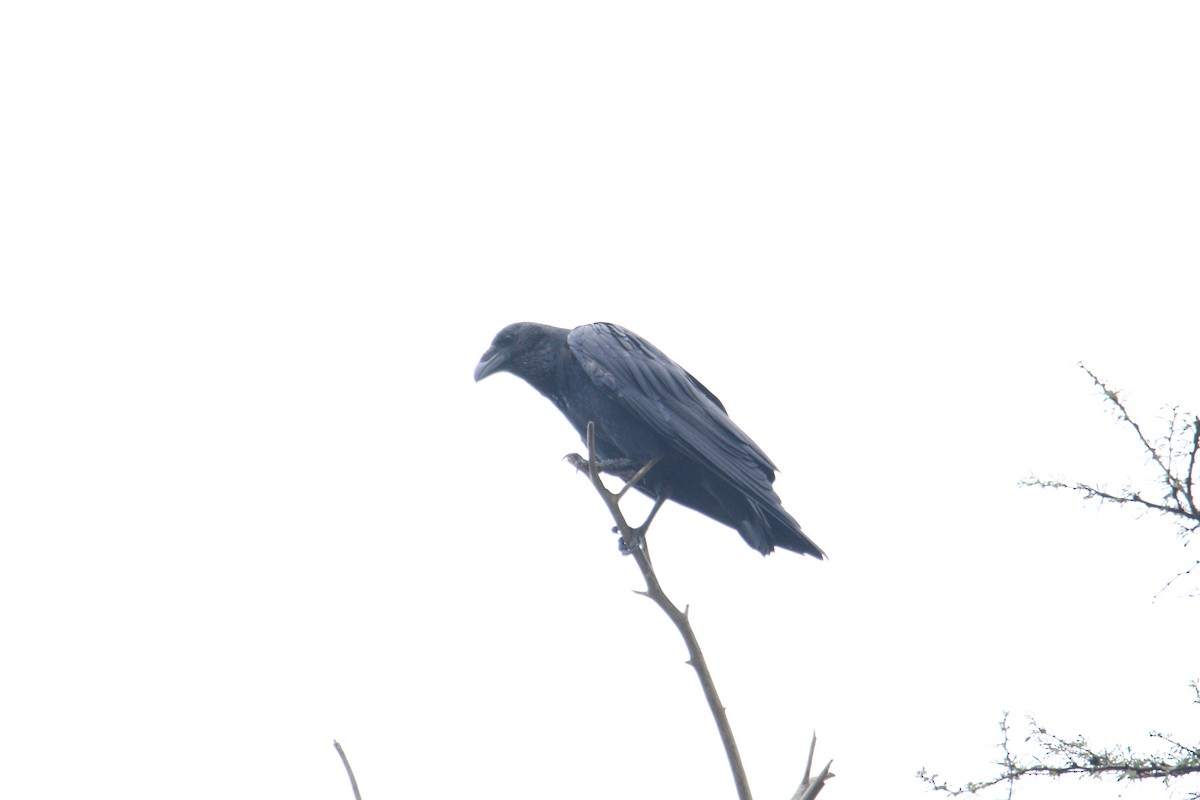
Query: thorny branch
{"type": "Point", "coordinates": [1057, 757]}
{"type": "Point", "coordinates": [633, 542]}
{"type": "Point", "coordinates": [1174, 457]}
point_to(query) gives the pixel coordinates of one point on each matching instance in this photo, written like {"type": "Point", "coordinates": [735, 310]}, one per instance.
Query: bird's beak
{"type": "Point", "coordinates": [492, 360]}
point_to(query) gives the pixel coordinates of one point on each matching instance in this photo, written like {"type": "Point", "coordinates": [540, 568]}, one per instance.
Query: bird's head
{"type": "Point", "coordinates": [525, 349]}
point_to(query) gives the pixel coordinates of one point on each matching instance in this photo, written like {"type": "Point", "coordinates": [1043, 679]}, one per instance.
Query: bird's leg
{"type": "Point", "coordinates": [639, 533]}
{"type": "Point", "coordinates": [645, 526]}
{"type": "Point", "coordinates": [637, 476]}
{"type": "Point", "coordinates": [621, 467]}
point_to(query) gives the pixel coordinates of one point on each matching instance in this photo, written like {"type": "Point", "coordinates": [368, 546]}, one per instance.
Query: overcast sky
{"type": "Point", "coordinates": [251, 500]}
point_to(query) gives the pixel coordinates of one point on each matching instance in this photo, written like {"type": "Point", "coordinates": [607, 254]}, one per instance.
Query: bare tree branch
{"type": "Point", "coordinates": [1176, 482]}
{"type": "Point", "coordinates": [1098, 493]}
{"type": "Point", "coordinates": [1053, 755]}
{"type": "Point", "coordinates": [633, 542]}
{"type": "Point", "coordinates": [346, 763]}
{"type": "Point", "coordinates": [810, 786]}
{"type": "Point", "coordinates": [1057, 757]}
{"type": "Point", "coordinates": [1115, 398]}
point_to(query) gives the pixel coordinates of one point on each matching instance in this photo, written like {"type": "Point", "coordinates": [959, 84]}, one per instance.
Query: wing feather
{"type": "Point", "coordinates": [673, 404]}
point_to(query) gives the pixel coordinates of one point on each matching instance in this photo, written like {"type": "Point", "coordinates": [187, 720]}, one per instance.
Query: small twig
{"type": "Point", "coordinates": [350, 772]}
{"type": "Point", "coordinates": [1181, 574]}
{"type": "Point", "coordinates": [1009, 764]}
{"type": "Point", "coordinates": [812, 749]}
{"type": "Point", "coordinates": [809, 787]}
{"type": "Point", "coordinates": [1191, 471]}
{"type": "Point", "coordinates": [1096, 493]}
{"type": "Point", "coordinates": [1115, 398]}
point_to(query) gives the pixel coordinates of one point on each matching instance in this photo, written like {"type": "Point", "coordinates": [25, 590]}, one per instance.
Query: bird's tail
{"type": "Point", "coordinates": [768, 528]}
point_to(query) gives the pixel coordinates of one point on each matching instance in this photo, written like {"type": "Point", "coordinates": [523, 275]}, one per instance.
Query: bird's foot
{"type": "Point", "coordinates": [638, 541]}
{"type": "Point", "coordinates": [621, 467]}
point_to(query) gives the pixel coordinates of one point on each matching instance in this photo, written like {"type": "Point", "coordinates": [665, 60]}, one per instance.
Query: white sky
{"type": "Point", "coordinates": [252, 501]}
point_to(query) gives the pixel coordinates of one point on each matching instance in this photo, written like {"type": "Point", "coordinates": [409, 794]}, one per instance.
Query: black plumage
{"type": "Point", "coordinates": [646, 406]}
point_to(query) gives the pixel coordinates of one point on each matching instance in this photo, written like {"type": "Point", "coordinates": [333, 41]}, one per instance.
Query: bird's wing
{"type": "Point", "coordinates": [675, 405]}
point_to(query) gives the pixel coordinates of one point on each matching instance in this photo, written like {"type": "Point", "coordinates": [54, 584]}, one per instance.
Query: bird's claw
{"type": "Point", "coordinates": [639, 541]}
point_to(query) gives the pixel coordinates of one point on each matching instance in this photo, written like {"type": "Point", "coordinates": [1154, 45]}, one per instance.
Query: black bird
{"type": "Point", "coordinates": [645, 406]}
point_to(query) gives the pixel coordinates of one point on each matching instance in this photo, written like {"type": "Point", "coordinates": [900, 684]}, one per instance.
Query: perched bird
{"type": "Point", "coordinates": [645, 406]}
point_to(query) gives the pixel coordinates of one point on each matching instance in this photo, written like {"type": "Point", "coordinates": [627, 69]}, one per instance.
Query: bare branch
{"type": "Point", "coordinates": [814, 787]}
{"type": "Point", "coordinates": [1190, 484]}
{"type": "Point", "coordinates": [1053, 755]}
{"type": "Point", "coordinates": [1175, 458]}
{"type": "Point", "coordinates": [632, 541]}
{"type": "Point", "coordinates": [346, 763]}
{"type": "Point", "coordinates": [809, 786]}
{"type": "Point", "coordinates": [1181, 574]}
{"type": "Point", "coordinates": [1115, 399]}
{"type": "Point", "coordinates": [1097, 493]}
{"type": "Point", "coordinates": [1057, 757]}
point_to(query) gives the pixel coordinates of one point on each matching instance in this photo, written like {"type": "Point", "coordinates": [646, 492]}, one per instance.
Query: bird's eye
{"type": "Point", "coordinates": [505, 339]}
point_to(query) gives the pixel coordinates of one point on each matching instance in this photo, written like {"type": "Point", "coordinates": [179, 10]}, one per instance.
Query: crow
{"type": "Point", "coordinates": [645, 407]}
